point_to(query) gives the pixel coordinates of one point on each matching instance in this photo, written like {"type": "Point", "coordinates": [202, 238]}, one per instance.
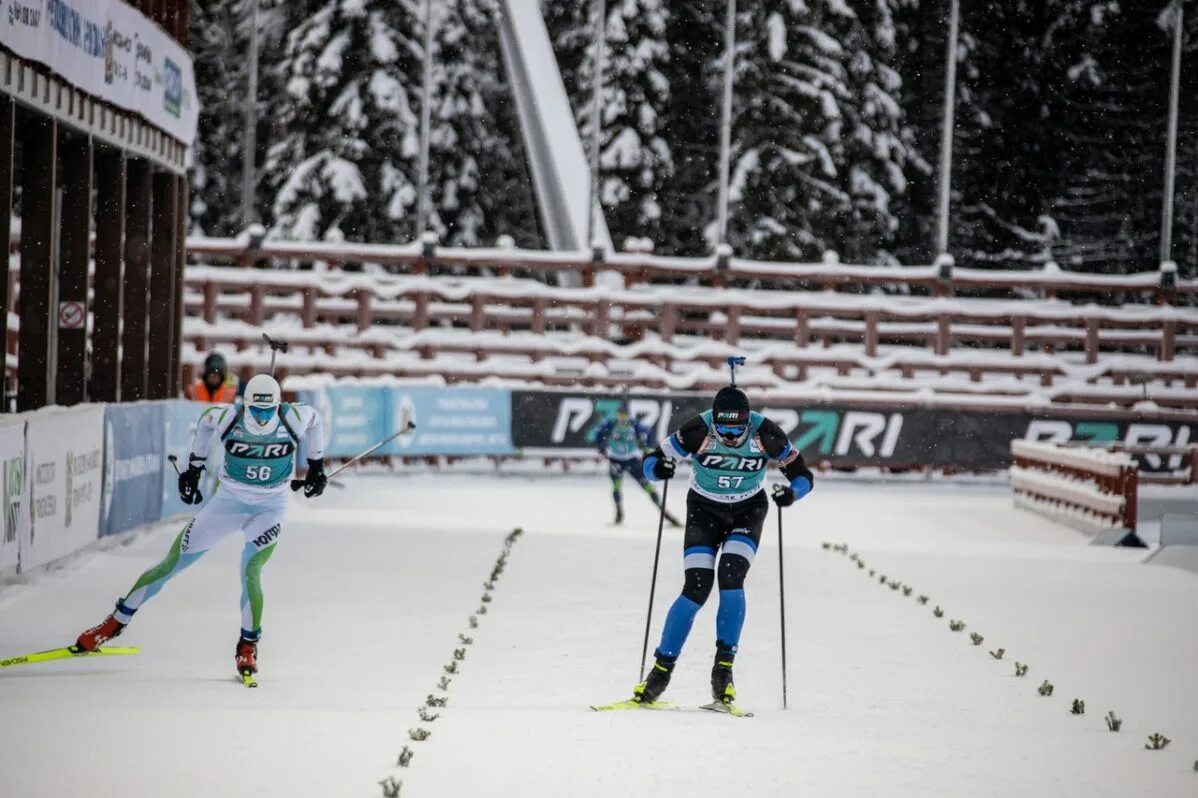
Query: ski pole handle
{"type": "Point", "coordinates": [296, 484]}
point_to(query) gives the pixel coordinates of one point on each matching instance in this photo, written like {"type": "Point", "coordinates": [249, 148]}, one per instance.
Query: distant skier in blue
{"type": "Point", "coordinates": [729, 449]}
{"type": "Point", "coordinates": [621, 439]}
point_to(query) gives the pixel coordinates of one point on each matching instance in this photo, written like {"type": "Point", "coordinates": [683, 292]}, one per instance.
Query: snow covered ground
{"type": "Point", "coordinates": [373, 584]}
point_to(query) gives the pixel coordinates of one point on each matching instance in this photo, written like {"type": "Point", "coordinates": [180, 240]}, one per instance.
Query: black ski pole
{"type": "Point", "coordinates": [661, 519]}
{"type": "Point", "coordinates": [782, 604]}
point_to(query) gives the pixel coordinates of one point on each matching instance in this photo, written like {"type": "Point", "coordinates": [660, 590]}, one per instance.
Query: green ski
{"type": "Point", "coordinates": [69, 652]}
{"type": "Point", "coordinates": [246, 677]}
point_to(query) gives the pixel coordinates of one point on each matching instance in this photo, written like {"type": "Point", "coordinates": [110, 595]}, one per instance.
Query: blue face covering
{"type": "Point", "coordinates": [262, 415]}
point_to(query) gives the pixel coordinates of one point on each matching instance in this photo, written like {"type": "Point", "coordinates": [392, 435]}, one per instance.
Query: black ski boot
{"type": "Point", "coordinates": [648, 691]}
{"type": "Point", "coordinates": [722, 689]}
{"type": "Point", "coordinates": [619, 514]}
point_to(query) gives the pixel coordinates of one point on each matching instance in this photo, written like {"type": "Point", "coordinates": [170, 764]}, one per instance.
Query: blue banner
{"type": "Point", "coordinates": [355, 417]}
{"type": "Point", "coordinates": [134, 459]}
{"type": "Point", "coordinates": [179, 426]}
{"type": "Point", "coordinates": [451, 421]}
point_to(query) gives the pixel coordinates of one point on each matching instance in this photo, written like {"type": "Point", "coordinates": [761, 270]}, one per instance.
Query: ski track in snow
{"type": "Point", "coordinates": [371, 586]}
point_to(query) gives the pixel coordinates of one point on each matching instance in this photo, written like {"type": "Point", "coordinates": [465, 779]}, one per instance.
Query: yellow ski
{"type": "Point", "coordinates": [630, 704]}
{"type": "Point", "coordinates": [247, 678]}
{"type": "Point", "coordinates": [70, 652]}
{"type": "Point", "coordinates": [727, 709]}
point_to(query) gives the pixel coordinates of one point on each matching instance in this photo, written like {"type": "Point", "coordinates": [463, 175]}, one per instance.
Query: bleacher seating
{"type": "Point", "coordinates": [658, 335]}
{"type": "Point", "coordinates": [588, 319]}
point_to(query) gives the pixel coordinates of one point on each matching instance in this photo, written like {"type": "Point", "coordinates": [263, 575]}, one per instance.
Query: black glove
{"type": "Point", "coordinates": [189, 484]}
{"type": "Point", "coordinates": [315, 481]}
{"type": "Point", "coordinates": [784, 496]}
{"type": "Point", "coordinates": [663, 467]}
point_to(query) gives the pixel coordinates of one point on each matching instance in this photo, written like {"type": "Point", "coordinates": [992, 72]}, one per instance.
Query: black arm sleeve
{"type": "Point", "coordinates": [690, 437]}
{"type": "Point", "coordinates": [779, 448]}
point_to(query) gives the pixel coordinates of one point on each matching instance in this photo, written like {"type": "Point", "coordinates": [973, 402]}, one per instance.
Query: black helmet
{"type": "Point", "coordinates": [215, 364]}
{"type": "Point", "coordinates": [730, 412]}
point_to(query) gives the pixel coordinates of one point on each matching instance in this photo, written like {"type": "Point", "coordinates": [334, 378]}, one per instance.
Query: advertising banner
{"type": "Point", "coordinates": [111, 51]}
{"type": "Point", "coordinates": [355, 417]}
{"type": "Point", "coordinates": [451, 421]}
{"type": "Point", "coordinates": [134, 458]}
{"type": "Point", "coordinates": [65, 457]}
{"type": "Point", "coordinates": [843, 434]}
{"type": "Point", "coordinates": [178, 429]}
{"type": "Point", "coordinates": [15, 530]}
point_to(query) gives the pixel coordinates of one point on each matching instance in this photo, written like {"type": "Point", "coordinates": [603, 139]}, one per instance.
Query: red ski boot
{"type": "Point", "coordinates": [247, 656]}
{"type": "Point", "coordinates": [99, 634]}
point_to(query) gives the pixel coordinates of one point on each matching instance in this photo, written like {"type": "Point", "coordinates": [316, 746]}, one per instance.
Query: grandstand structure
{"type": "Point", "coordinates": [97, 111]}
{"type": "Point", "coordinates": [933, 334]}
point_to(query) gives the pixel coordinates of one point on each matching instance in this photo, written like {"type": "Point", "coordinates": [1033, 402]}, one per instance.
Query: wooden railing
{"type": "Point", "coordinates": [940, 279]}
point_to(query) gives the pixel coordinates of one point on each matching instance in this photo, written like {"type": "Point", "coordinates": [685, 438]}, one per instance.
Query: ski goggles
{"type": "Point", "coordinates": [262, 415]}
{"type": "Point", "coordinates": [731, 432]}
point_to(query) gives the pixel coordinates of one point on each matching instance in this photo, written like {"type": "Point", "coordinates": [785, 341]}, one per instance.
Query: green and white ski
{"type": "Point", "coordinates": [630, 704]}
{"type": "Point", "coordinates": [727, 709]}
{"type": "Point", "coordinates": [69, 652]}
{"type": "Point", "coordinates": [246, 677]}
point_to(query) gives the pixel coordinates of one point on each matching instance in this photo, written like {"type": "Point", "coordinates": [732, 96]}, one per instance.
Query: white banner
{"type": "Point", "coordinates": [14, 529]}
{"type": "Point", "coordinates": [65, 455]}
{"type": "Point", "coordinates": [109, 50]}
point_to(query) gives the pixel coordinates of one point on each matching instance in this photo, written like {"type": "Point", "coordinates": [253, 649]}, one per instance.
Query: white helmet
{"type": "Point", "coordinates": [262, 394]}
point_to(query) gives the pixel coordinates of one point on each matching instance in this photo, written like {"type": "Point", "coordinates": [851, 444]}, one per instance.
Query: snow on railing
{"type": "Point", "coordinates": [641, 265]}
{"type": "Point", "coordinates": [1093, 489]}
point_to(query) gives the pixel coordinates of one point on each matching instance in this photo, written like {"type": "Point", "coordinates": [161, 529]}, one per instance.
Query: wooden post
{"type": "Point", "coordinates": [732, 330]}
{"type": "Point", "coordinates": [1130, 478]}
{"type": "Point", "coordinates": [944, 334]}
{"type": "Point", "coordinates": [1168, 341]}
{"type": "Point", "coordinates": [38, 232]}
{"type": "Point", "coordinates": [180, 258]}
{"type": "Point", "coordinates": [802, 328]}
{"type": "Point", "coordinates": [7, 131]}
{"type": "Point", "coordinates": [871, 333]}
{"type": "Point", "coordinates": [365, 311]}
{"type": "Point", "coordinates": [109, 289]}
{"type": "Point", "coordinates": [669, 323]}
{"type": "Point", "coordinates": [74, 235]}
{"type": "Point", "coordinates": [538, 315]}
{"type": "Point", "coordinates": [1018, 335]}
{"type": "Point", "coordinates": [308, 313]}
{"type": "Point", "coordinates": [138, 202]}
{"type": "Point", "coordinates": [160, 379]}
{"type": "Point", "coordinates": [1091, 340]}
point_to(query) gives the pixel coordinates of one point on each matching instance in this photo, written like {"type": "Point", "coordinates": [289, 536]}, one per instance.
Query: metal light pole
{"type": "Point", "coordinates": [726, 117]}
{"type": "Point", "coordinates": [250, 143]}
{"type": "Point", "coordinates": [1171, 145]}
{"type": "Point", "coordinates": [426, 109]}
{"type": "Point", "coordinates": [946, 133]}
{"type": "Point", "coordinates": [596, 116]}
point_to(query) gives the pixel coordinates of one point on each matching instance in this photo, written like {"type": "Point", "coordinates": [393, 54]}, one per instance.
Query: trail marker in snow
{"type": "Point", "coordinates": [1157, 742]}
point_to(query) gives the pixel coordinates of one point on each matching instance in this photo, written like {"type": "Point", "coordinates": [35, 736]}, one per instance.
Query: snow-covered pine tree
{"type": "Point", "coordinates": [478, 176]}
{"type": "Point", "coordinates": [220, 36]}
{"type": "Point", "coordinates": [215, 180]}
{"type": "Point", "coordinates": [820, 145]}
{"type": "Point", "coordinates": [635, 160]}
{"type": "Point", "coordinates": [345, 163]}
{"type": "Point", "coordinates": [922, 36]}
{"type": "Point", "coordinates": [1107, 68]}
{"type": "Point", "coordinates": [1007, 153]}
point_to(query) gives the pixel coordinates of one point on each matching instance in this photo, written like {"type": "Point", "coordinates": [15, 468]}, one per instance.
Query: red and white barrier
{"type": "Point", "coordinates": [1090, 489]}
